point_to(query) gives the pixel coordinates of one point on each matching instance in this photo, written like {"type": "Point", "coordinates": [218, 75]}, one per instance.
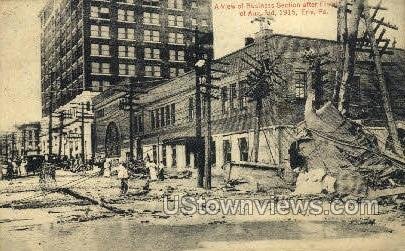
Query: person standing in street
{"type": "Point", "coordinates": [123, 175]}
{"type": "Point", "coordinates": [151, 166]}
{"type": "Point", "coordinates": [107, 168]}
{"type": "Point", "coordinates": [160, 171]}
{"type": "Point", "coordinates": [16, 170]}
{"type": "Point", "coordinates": [9, 173]}
{"type": "Point", "coordinates": [23, 167]}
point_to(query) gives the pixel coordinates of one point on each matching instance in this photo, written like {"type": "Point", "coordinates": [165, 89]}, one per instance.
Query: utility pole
{"type": "Point", "coordinates": [6, 146]}
{"type": "Point", "coordinates": [24, 132]}
{"type": "Point", "coordinates": [208, 160]}
{"type": "Point", "coordinates": [61, 125]}
{"type": "Point", "coordinates": [50, 143]}
{"type": "Point", "coordinates": [12, 145]}
{"type": "Point", "coordinates": [128, 105]}
{"type": "Point", "coordinates": [382, 84]}
{"type": "Point", "coordinates": [131, 122]}
{"type": "Point", "coordinates": [198, 134]}
{"type": "Point", "coordinates": [82, 134]}
{"type": "Point", "coordinates": [370, 42]}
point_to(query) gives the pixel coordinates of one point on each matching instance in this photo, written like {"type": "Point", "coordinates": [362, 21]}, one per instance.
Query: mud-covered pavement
{"type": "Point", "coordinates": [34, 219]}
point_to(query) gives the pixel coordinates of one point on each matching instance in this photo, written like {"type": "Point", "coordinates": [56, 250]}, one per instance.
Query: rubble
{"type": "Point", "coordinates": [335, 155]}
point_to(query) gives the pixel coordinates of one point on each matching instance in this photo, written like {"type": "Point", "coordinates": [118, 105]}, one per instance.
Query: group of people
{"type": "Point", "coordinates": [108, 166]}
{"type": "Point", "coordinates": [15, 168]}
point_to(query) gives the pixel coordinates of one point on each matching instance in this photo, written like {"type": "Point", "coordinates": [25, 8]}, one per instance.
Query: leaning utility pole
{"type": "Point", "coordinates": [370, 43]}
{"type": "Point", "coordinates": [350, 54]}
{"type": "Point", "coordinates": [382, 84]}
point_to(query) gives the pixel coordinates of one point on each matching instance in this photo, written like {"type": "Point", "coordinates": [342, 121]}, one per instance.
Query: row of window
{"type": "Point", "coordinates": [243, 150]}
{"type": "Point", "coordinates": [130, 70]}
{"type": "Point", "coordinates": [233, 96]}
{"type": "Point", "coordinates": [149, 18]}
{"type": "Point", "coordinates": [163, 116]}
{"type": "Point", "coordinates": [102, 31]}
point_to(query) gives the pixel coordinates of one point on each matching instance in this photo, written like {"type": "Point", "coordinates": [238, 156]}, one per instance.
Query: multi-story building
{"type": "Point", "coordinates": [4, 146]}
{"type": "Point", "coordinates": [27, 139]}
{"type": "Point", "coordinates": [88, 46]}
{"type": "Point", "coordinates": [165, 124]}
{"type": "Point", "coordinates": [8, 145]}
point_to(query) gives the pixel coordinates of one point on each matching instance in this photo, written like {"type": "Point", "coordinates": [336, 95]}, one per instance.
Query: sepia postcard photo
{"type": "Point", "coordinates": [271, 125]}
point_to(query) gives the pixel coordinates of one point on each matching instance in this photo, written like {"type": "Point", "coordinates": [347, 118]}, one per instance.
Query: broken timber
{"type": "Point", "coordinates": [68, 191]}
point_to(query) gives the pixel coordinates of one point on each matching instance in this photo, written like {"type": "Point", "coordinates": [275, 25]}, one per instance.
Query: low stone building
{"type": "Point", "coordinates": [165, 120]}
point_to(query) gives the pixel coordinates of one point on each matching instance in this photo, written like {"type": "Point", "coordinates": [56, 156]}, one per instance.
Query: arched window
{"type": "Point", "coordinates": [112, 141]}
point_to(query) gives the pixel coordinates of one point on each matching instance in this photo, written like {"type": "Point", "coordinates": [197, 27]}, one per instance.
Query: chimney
{"type": "Point", "coordinates": [249, 41]}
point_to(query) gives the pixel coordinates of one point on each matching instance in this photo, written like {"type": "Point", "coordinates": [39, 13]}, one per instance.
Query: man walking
{"type": "Point", "coordinates": [123, 175]}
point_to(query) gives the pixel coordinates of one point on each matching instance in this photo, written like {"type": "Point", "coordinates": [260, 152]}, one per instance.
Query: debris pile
{"type": "Point", "coordinates": [335, 155]}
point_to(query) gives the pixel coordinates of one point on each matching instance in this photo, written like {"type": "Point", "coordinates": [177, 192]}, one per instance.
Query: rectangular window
{"type": "Point", "coordinates": [99, 12]}
{"type": "Point", "coordinates": [100, 31]}
{"type": "Point", "coordinates": [173, 113]}
{"type": "Point", "coordinates": [126, 51]}
{"type": "Point", "coordinates": [151, 3]}
{"type": "Point", "coordinates": [227, 149]}
{"type": "Point", "coordinates": [176, 38]}
{"type": "Point", "coordinates": [174, 20]}
{"type": "Point", "coordinates": [176, 55]}
{"type": "Point", "coordinates": [126, 33]}
{"type": "Point", "coordinates": [242, 95]}
{"type": "Point", "coordinates": [103, 68]}
{"type": "Point", "coordinates": [151, 18]}
{"type": "Point", "coordinates": [162, 117]}
{"type": "Point", "coordinates": [127, 69]}
{"type": "Point", "coordinates": [99, 86]}
{"type": "Point", "coordinates": [152, 53]}
{"type": "Point", "coordinates": [100, 50]}
{"type": "Point", "coordinates": [126, 15]}
{"type": "Point", "coordinates": [191, 109]}
{"type": "Point", "coordinates": [194, 4]}
{"type": "Point", "coordinates": [151, 36]}
{"type": "Point", "coordinates": [167, 113]}
{"type": "Point", "coordinates": [300, 85]}
{"type": "Point", "coordinates": [126, 1]}
{"type": "Point", "coordinates": [174, 72]}
{"type": "Point", "coordinates": [243, 149]}
{"type": "Point", "coordinates": [224, 99]}
{"type": "Point", "coordinates": [152, 119]}
{"type": "Point", "coordinates": [157, 118]}
{"type": "Point", "coordinates": [152, 71]}
{"type": "Point", "coordinates": [233, 96]}
{"type": "Point", "coordinates": [175, 4]}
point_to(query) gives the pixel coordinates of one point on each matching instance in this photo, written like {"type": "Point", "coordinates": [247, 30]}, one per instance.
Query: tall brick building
{"type": "Point", "coordinates": [165, 126]}
{"type": "Point", "coordinates": [88, 45]}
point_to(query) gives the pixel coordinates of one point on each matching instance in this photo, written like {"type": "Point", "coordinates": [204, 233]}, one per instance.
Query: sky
{"type": "Point", "coordinates": [20, 33]}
